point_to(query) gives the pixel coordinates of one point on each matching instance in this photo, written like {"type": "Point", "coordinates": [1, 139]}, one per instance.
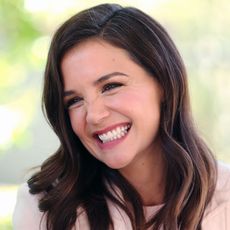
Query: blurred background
{"type": "Point", "coordinates": [200, 30]}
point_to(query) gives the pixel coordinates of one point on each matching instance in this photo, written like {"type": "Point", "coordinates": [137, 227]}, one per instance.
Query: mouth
{"type": "Point", "coordinates": [113, 134]}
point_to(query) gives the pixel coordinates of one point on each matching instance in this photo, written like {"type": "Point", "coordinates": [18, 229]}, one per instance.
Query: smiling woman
{"type": "Point", "coordinates": [116, 95]}
{"type": "Point", "coordinates": [101, 105]}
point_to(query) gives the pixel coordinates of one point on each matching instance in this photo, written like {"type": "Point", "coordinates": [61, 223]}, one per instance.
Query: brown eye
{"type": "Point", "coordinates": [110, 86]}
{"type": "Point", "coordinates": [73, 101]}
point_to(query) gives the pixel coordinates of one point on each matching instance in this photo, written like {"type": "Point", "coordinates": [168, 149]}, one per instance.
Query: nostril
{"type": "Point", "coordinates": [96, 115]}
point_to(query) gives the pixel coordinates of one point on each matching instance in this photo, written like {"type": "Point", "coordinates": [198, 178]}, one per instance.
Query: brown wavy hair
{"type": "Point", "coordinates": [72, 178]}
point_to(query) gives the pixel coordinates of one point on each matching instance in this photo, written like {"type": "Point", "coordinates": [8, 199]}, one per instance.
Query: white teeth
{"type": "Point", "coordinates": [110, 134]}
{"type": "Point", "coordinates": [114, 134]}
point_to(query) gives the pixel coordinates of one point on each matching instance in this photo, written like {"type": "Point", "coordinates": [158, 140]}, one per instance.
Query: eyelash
{"type": "Point", "coordinates": [73, 101]}
{"type": "Point", "coordinates": [111, 86]}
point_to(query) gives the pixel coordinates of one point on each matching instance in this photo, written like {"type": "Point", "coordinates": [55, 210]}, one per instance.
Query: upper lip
{"type": "Point", "coordinates": [107, 129]}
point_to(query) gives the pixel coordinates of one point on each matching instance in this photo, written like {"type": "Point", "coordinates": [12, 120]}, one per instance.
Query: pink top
{"type": "Point", "coordinates": [217, 215]}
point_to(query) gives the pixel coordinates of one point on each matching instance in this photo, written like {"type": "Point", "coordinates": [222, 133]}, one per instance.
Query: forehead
{"type": "Point", "coordinates": [94, 57]}
{"type": "Point", "coordinates": [94, 48]}
{"type": "Point", "coordinates": [87, 62]}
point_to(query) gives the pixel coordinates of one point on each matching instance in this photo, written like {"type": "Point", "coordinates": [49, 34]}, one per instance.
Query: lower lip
{"type": "Point", "coordinates": [111, 144]}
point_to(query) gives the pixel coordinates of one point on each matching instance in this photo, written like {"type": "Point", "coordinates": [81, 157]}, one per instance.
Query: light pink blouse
{"type": "Point", "coordinates": [217, 215]}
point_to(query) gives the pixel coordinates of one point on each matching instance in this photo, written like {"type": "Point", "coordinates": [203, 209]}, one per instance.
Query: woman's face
{"type": "Point", "coordinates": [113, 103]}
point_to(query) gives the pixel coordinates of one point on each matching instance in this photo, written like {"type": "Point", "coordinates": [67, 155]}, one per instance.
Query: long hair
{"type": "Point", "coordinates": [71, 178]}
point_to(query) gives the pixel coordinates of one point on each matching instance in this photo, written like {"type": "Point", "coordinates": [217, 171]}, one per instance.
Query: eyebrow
{"type": "Point", "coordinates": [98, 81]}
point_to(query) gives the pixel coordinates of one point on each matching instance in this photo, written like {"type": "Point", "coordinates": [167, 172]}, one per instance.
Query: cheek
{"type": "Point", "coordinates": [126, 99]}
{"type": "Point", "coordinates": [143, 105]}
{"type": "Point", "coordinates": [77, 121]}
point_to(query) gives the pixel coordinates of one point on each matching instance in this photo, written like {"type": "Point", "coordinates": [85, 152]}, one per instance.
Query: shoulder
{"type": "Point", "coordinates": [222, 191]}
{"type": "Point", "coordinates": [26, 213]}
{"type": "Point", "coordinates": [217, 214]}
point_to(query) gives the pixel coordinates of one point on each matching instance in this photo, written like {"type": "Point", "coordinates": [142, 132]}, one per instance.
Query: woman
{"type": "Point", "coordinates": [116, 95]}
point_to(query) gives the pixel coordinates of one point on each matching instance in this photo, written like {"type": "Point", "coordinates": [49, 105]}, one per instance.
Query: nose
{"type": "Point", "coordinates": [96, 111]}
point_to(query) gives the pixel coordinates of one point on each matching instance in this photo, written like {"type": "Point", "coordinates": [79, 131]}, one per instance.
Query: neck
{"type": "Point", "coordinates": [148, 178]}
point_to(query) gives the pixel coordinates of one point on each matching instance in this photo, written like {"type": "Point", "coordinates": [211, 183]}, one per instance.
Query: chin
{"type": "Point", "coordinates": [116, 165]}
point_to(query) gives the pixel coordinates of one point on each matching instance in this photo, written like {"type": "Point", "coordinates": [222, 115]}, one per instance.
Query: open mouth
{"type": "Point", "coordinates": [114, 134]}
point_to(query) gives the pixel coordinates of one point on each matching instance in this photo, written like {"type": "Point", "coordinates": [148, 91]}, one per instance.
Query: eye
{"type": "Point", "coordinates": [111, 86]}
{"type": "Point", "coordinates": [75, 101]}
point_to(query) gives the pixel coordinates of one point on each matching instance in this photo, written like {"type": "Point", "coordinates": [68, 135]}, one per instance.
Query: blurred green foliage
{"type": "Point", "coordinates": [6, 224]}
{"type": "Point", "coordinates": [17, 35]}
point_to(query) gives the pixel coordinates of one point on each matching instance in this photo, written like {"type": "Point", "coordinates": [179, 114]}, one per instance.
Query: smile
{"type": "Point", "coordinates": [114, 134]}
